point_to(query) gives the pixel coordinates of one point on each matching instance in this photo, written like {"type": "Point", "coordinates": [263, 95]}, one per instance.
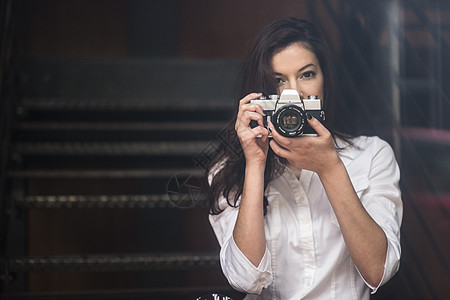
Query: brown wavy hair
{"type": "Point", "coordinates": [226, 171]}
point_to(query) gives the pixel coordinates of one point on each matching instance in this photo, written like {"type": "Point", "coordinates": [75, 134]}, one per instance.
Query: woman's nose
{"type": "Point", "coordinates": [293, 85]}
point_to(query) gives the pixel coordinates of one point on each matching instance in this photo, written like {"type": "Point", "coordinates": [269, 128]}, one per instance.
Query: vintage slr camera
{"type": "Point", "coordinates": [287, 112]}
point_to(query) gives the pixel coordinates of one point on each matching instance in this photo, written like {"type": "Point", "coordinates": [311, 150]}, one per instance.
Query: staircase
{"type": "Point", "coordinates": [107, 159]}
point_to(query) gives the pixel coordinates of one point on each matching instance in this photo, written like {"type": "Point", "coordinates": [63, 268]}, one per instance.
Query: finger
{"type": "Point", "coordinates": [245, 119]}
{"type": "Point", "coordinates": [317, 126]}
{"type": "Point", "coordinates": [278, 150]}
{"type": "Point", "coordinates": [253, 116]}
{"type": "Point", "coordinates": [249, 97]}
{"type": "Point", "coordinates": [260, 132]}
{"type": "Point", "coordinates": [253, 107]}
{"type": "Point", "coordinates": [250, 109]}
{"type": "Point", "coordinates": [252, 134]}
{"type": "Point", "coordinates": [281, 140]}
{"type": "Point", "coordinates": [244, 105]}
{"type": "Point", "coordinates": [265, 134]}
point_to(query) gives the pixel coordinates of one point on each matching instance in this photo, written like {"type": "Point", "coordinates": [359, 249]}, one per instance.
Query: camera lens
{"type": "Point", "coordinates": [289, 120]}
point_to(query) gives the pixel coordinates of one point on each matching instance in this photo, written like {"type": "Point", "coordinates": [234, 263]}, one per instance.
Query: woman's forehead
{"type": "Point", "coordinates": [295, 55]}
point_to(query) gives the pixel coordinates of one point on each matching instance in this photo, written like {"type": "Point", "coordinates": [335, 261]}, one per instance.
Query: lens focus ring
{"type": "Point", "coordinates": [289, 120]}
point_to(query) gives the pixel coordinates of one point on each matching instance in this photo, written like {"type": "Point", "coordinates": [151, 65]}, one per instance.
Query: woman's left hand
{"type": "Point", "coordinates": [314, 153]}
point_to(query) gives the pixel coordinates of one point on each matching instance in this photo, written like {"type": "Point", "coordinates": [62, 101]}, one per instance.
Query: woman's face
{"type": "Point", "coordinates": [296, 67]}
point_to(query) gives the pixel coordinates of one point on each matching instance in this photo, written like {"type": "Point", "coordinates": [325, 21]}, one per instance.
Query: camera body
{"type": "Point", "coordinates": [287, 113]}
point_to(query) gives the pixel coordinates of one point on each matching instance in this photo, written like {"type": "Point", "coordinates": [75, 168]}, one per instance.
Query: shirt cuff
{"type": "Point", "coordinates": [241, 273]}
{"type": "Point", "coordinates": [391, 264]}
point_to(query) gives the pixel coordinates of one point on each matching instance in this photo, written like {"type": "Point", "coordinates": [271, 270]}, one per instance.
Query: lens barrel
{"type": "Point", "coordinates": [289, 120]}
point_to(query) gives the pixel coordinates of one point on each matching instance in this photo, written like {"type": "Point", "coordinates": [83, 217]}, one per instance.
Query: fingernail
{"type": "Point", "coordinates": [308, 115]}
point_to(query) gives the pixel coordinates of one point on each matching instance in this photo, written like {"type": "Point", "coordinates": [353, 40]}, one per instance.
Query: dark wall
{"type": "Point", "coordinates": [204, 30]}
{"type": "Point", "coordinates": [112, 29]}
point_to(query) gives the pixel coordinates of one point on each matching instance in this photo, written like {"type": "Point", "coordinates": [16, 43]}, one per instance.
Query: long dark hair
{"type": "Point", "coordinates": [226, 172]}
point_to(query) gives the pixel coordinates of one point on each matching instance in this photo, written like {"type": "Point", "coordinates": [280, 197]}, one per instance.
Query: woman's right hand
{"type": "Point", "coordinates": [254, 141]}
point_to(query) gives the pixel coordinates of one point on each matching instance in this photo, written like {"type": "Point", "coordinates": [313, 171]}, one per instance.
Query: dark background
{"type": "Point", "coordinates": [88, 62]}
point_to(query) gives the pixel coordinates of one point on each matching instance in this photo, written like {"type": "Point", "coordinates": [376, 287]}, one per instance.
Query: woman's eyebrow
{"type": "Point", "coordinates": [305, 67]}
{"type": "Point", "coordinates": [300, 70]}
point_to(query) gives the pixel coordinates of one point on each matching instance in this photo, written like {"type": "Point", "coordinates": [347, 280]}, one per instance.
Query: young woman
{"type": "Point", "coordinates": [304, 217]}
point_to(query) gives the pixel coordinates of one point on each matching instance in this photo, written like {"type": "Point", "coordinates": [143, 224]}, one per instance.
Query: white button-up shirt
{"type": "Point", "coordinates": [306, 256]}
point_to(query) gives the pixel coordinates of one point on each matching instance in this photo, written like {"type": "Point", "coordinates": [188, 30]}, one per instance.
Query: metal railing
{"type": "Point", "coordinates": [399, 87]}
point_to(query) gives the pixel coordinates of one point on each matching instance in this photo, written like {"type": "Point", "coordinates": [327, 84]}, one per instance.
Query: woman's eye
{"type": "Point", "coordinates": [309, 74]}
{"type": "Point", "coordinates": [279, 80]}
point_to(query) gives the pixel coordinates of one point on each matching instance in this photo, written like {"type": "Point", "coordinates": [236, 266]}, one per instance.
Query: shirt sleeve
{"type": "Point", "coordinates": [382, 200]}
{"type": "Point", "coordinates": [239, 271]}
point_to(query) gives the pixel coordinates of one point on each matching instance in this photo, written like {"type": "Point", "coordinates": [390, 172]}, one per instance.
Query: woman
{"type": "Point", "coordinates": [305, 217]}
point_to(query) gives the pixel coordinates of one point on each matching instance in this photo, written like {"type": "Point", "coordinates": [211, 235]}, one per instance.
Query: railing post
{"type": "Point", "coordinates": [393, 19]}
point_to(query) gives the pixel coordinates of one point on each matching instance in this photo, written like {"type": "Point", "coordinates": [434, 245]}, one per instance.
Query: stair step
{"type": "Point", "coordinates": [102, 174]}
{"type": "Point", "coordinates": [117, 262]}
{"type": "Point", "coordinates": [106, 201]}
{"type": "Point", "coordinates": [122, 126]}
{"type": "Point", "coordinates": [165, 293]}
{"type": "Point", "coordinates": [171, 78]}
{"type": "Point", "coordinates": [110, 148]}
{"type": "Point", "coordinates": [125, 103]}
